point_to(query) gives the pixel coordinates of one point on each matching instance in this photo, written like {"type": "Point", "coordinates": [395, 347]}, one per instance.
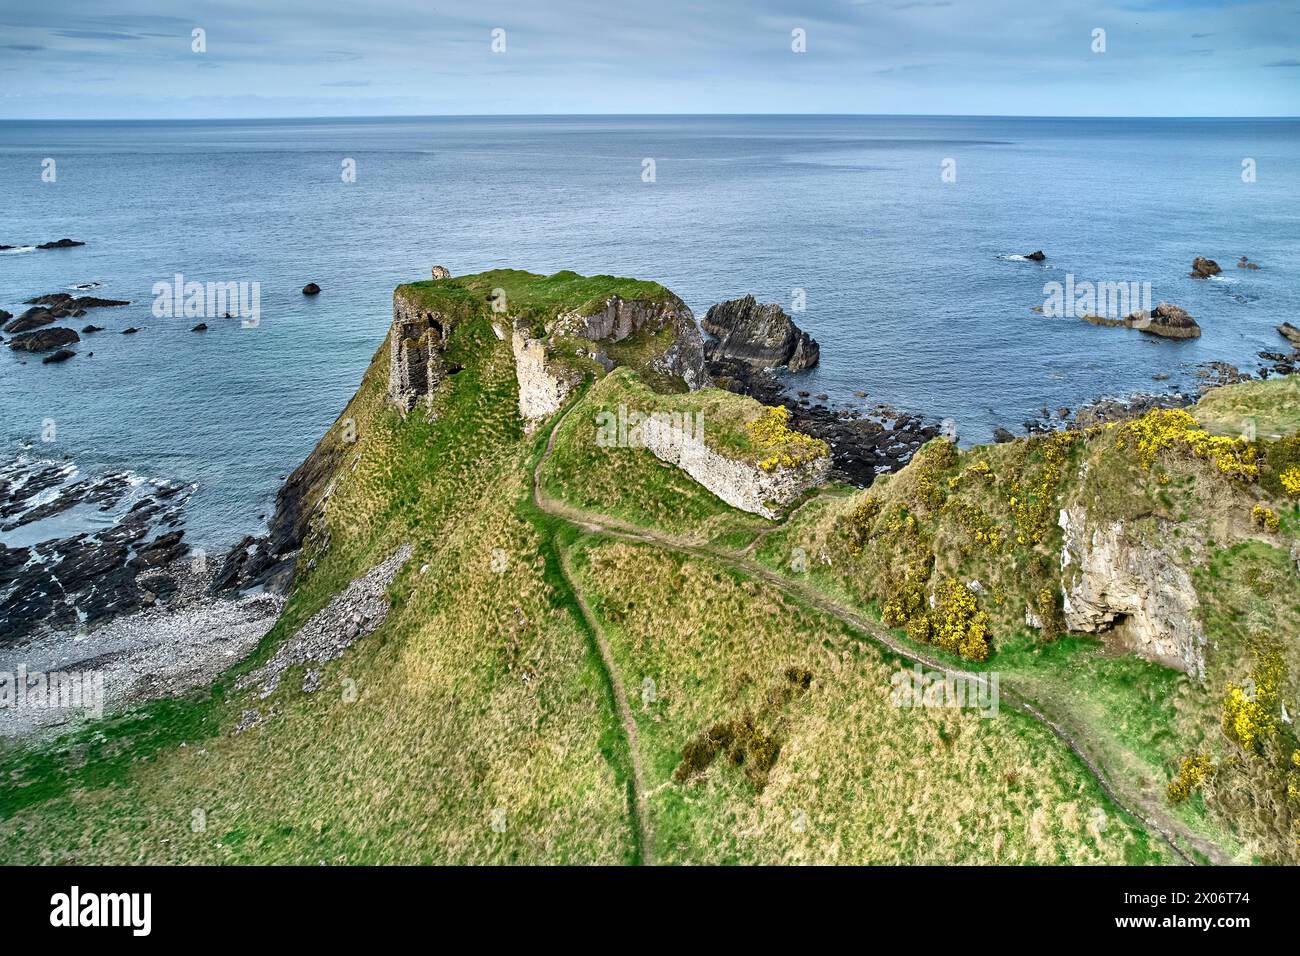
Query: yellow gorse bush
{"type": "Point", "coordinates": [1193, 772]}
{"type": "Point", "coordinates": [1166, 428]}
{"type": "Point", "coordinates": [1291, 481]}
{"type": "Point", "coordinates": [771, 431]}
{"type": "Point", "coordinates": [1249, 712]}
{"type": "Point", "coordinates": [1266, 518]}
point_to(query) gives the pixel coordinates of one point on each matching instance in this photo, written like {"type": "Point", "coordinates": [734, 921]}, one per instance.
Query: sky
{"type": "Point", "coordinates": [91, 59]}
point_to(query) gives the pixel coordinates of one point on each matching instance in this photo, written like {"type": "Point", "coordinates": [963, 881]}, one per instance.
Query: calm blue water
{"type": "Point", "coordinates": [904, 289]}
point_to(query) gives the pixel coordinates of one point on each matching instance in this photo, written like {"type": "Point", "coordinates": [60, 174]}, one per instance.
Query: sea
{"type": "Point", "coordinates": [894, 241]}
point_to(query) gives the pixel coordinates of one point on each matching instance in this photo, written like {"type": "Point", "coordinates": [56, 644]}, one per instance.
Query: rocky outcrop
{"type": "Point", "coordinates": [1203, 268]}
{"type": "Point", "coordinates": [1165, 320]}
{"type": "Point", "coordinates": [759, 335]}
{"type": "Point", "coordinates": [546, 377]}
{"type": "Point", "coordinates": [1036, 256]}
{"type": "Point", "coordinates": [1119, 581]}
{"type": "Point", "coordinates": [740, 484]}
{"type": "Point", "coordinates": [60, 244]}
{"type": "Point", "coordinates": [1290, 333]}
{"type": "Point", "coordinates": [440, 272]}
{"type": "Point", "coordinates": [311, 288]}
{"type": "Point", "coordinates": [44, 340]}
{"type": "Point", "coordinates": [33, 318]}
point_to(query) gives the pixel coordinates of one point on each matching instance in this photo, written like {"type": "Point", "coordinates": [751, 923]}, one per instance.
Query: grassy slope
{"type": "Point", "coordinates": [1142, 719]}
{"type": "Point", "coordinates": [481, 691]}
{"type": "Point", "coordinates": [484, 690]}
{"type": "Point", "coordinates": [856, 780]}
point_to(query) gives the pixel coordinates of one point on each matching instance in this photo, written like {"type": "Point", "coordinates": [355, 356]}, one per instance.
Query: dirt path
{"type": "Point", "coordinates": [1153, 817]}
{"type": "Point", "coordinates": [640, 810]}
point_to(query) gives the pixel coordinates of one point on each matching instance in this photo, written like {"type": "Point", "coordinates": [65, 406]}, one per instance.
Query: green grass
{"type": "Point", "coordinates": [874, 783]}
{"type": "Point", "coordinates": [531, 296]}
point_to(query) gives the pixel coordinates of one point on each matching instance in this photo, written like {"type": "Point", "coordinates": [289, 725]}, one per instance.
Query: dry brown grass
{"type": "Point", "coordinates": [877, 784]}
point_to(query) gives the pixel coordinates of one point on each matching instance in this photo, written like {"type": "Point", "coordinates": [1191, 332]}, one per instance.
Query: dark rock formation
{"type": "Point", "coordinates": [62, 355]}
{"type": "Point", "coordinates": [201, 327]}
{"type": "Point", "coordinates": [759, 335]}
{"type": "Point", "coordinates": [130, 330]}
{"type": "Point", "coordinates": [1203, 268]}
{"type": "Point", "coordinates": [44, 340]}
{"type": "Point", "coordinates": [33, 318]}
{"type": "Point", "coordinates": [83, 579]}
{"type": "Point", "coordinates": [1168, 321]}
{"type": "Point", "coordinates": [863, 444]}
{"type": "Point", "coordinates": [311, 288]}
{"type": "Point", "coordinates": [92, 328]}
{"type": "Point", "coordinates": [1290, 333]}
{"type": "Point", "coordinates": [60, 244]}
{"type": "Point", "coordinates": [1244, 263]}
{"type": "Point", "coordinates": [1165, 320]}
{"type": "Point", "coordinates": [1036, 256]}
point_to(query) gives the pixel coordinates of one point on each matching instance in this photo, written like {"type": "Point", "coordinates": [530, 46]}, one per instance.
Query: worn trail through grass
{"type": "Point", "coordinates": [1176, 836]}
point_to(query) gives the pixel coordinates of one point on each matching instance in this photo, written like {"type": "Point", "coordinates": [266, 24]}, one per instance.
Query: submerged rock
{"type": "Point", "coordinates": [62, 355]}
{"type": "Point", "coordinates": [311, 288]}
{"type": "Point", "coordinates": [60, 244]}
{"type": "Point", "coordinates": [1203, 268]}
{"type": "Point", "coordinates": [1036, 256]}
{"type": "Point", "coordinates": [759, 335]}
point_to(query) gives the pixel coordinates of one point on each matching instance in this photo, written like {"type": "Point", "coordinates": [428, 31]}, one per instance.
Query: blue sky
{"type": "Point", "coordinates": [133, 59]}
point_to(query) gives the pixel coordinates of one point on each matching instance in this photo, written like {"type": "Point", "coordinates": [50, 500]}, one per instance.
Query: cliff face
{"type": "Point", "coordinates": [1132, 585]}
{"type": "Point", "coordinates": [740, 484]}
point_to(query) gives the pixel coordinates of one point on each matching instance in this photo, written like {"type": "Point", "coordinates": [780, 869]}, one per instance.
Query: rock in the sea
{"type": "Point", "coordinates": [201, 327]}
{"type": "Point", "coordinates": [1002, 435]}
{"type": "Point", "coordinates": [1245, 263]}
{"type": "Point", "coordinates": [1036, 256]}
{"type": "Point", "coordinates": [311, 288]}
{"type": "Point", "coordinates": [62, 355]}
{"type": "Point", "coordinates": [33, 318]}
{"type": "Point", "coordinates": [1203, 268]}
{"type": "Point", "coordinates": [44, 340]}
{"type": "Point", "coordinates": [441, 272]}
{"type": "Point", "coordinates": [92, 328]}
{"type": "Point", "coordinates": [60, 244]}
{"type": "Point", "coordinates": [1166, 320]}
{"type": "Point", "coordinates": [1290, 333]}
{"type": "Point", "coordinates": [759, 335]}
{"type": "Point", "coordinates": [131, 330]}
